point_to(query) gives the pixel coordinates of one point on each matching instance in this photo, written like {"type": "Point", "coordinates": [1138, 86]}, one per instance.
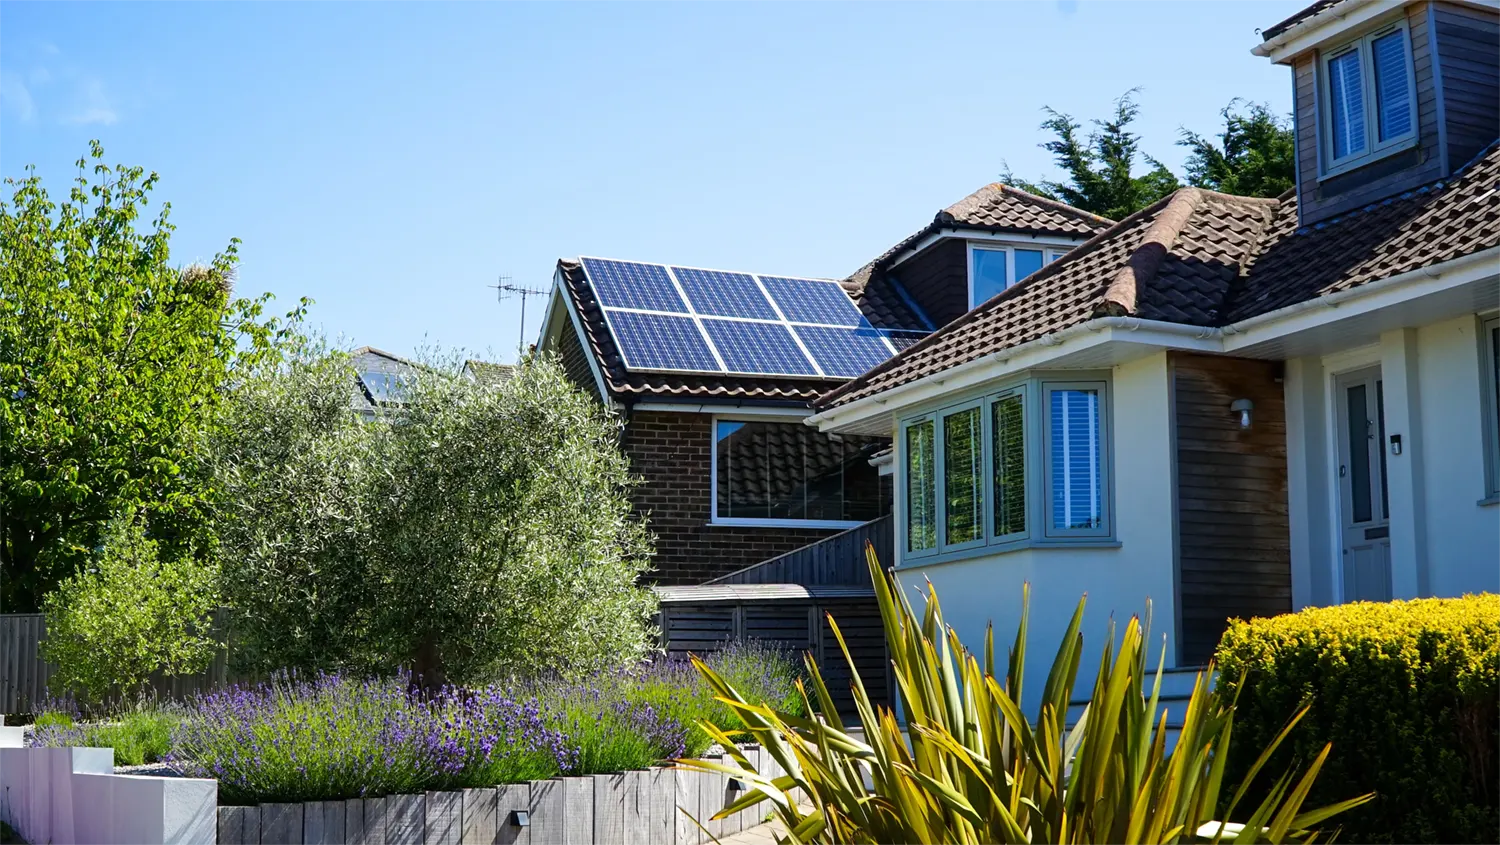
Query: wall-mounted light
{"type": "Point", "coordinates": [1242, 407]}
{"type": "Point", "coordinates": [520, 818]}
{"type": "Point", "coordinates": [736, 785]}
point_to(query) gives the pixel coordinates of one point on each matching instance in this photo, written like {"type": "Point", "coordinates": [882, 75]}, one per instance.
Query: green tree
{"type": "Point", "coordinates": [131, 613]}
{"type": "Point", "coordinates": [112, 366]}
{"type": "Point", "coordinates": [1254, 155]}
{"type": "Point", "coordinates": [473, 530]}
{"type": "Point", "coordinates": [1101, 167]}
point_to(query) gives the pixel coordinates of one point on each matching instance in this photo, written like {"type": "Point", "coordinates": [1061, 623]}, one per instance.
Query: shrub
{"type": "Point", "coordinates": [974, 769]}
{"type": "Point", "coordinates": [1407, 693]}
{"type": "Point", "coordinates": [133, 614]}
{"type": "Point", "coordinates": [139, 735]}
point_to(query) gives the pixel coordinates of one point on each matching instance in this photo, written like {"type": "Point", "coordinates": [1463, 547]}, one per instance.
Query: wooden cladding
{"type": "Point", "coordinates": [1233, 537]}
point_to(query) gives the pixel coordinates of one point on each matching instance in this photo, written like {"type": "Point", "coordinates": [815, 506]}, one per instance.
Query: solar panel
{"type": "Point", "coordinates": [628, 284]}
{"type": "Point", "coordinates": [760, 348]}
{"type": "Point", "coordinates": [661, 342]}
{"type": "Point", "coordinates": [844, 352]}
{"type": "Point", "coordinates": [724, 294]}
{"type": "Point", "coordinates": [813, 301]}
{"type": "Point", "coordinates": [902, 338]}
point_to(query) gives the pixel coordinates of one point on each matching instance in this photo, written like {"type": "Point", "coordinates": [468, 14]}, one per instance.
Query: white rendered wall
{"type": "Point", "coordinates": [1118, 581]}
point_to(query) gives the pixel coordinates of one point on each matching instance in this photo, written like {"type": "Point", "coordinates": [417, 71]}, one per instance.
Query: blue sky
{"type": "Point", "coordinates": [392, 160]}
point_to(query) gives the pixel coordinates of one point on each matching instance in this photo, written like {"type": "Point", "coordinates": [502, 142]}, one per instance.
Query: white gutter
{"type": "Point", "coordinates": [1306, 33]}
{"type": "Point", "coordinates": [740, 408]}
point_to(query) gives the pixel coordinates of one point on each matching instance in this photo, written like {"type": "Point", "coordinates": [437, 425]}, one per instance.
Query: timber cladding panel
{"type": "Point", "coordinates": [673, 454]}
{"type": "Point", "coordinates": [938, 280]}
{"type": "Point", "coordinates": [1233, 536]}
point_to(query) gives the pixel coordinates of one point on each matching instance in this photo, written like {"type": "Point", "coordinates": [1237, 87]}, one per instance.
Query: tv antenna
{"type": "Point", "coordinates": [505, 289]}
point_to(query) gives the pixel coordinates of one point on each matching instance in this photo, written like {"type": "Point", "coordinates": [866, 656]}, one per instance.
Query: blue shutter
{"type": "Point", "coordinates": [1347, 106]}
{"type": "Point", "coordinates": [1392, 93]}
{"type": "Point", "coordinates": [1077, 477]}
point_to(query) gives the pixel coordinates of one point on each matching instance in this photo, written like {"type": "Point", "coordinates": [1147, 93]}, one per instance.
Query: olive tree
{"type": "Point", "coordinates": [468, 531]}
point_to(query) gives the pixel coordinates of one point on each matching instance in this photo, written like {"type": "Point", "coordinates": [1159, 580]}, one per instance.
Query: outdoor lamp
{"type": "Point", "coordinates": [1242, 407]}
{"type": "Point", "coordinates": [735, 785]}
{"type": "Point", "coordinates": [520, 818]}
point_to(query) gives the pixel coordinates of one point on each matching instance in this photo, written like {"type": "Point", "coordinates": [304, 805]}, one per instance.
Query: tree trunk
{"type": "Point", "coordinates": [428, 674]}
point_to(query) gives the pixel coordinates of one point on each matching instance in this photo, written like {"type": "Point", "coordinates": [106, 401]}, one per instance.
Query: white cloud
{"type": "Point", "coordinates": [15, 98]}
{"type": "Point", "coordinates": [93, 105]}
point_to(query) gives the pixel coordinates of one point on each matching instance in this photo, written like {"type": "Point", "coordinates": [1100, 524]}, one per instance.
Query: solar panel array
{"type": "Point", "coordinates": [683, 319]}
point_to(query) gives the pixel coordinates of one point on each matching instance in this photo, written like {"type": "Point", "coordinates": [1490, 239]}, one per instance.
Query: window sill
{"type": "Point", "coordinates": [815, 524]}
{"type": "Point", "coordinates": [1363, 161]}
{"type": "Point", "coordinates": [1006, 548]}
{"type": "Point", "coordinates": [1489, 501]}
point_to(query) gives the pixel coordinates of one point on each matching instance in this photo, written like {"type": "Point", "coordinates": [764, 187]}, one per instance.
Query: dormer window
{"type": "Point", "coordinates": [995, 267]}
{"type": "Point", "coordinates": [1368, 105]}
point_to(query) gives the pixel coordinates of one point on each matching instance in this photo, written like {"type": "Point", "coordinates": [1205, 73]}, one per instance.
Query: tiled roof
{"type": "Point", "coordinates": [488, 372]}
{"type": "Point", "coordinates": [1276, 29]}
{"type": "Point", "coordinates": [1208, 259]}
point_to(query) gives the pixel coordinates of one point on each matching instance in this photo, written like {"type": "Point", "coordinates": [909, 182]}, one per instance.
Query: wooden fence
{"type": "Point", "coordinates": [24, 674]}
{"type": "Point", "coordinates": [835, 560]}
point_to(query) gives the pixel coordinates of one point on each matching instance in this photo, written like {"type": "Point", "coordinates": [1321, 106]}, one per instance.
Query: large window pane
{"type": "Point", "coordinates": [963, 477]}
{"type": "Point", "coordinates": [1008, 433]}
{"type": "Point", "coordinates": [1076, 465]}
{"type": "Point", "coordinates": [1347, 106]}
{"type": "Point", "coordinates": [773, 470]}
{"type": "Point", "coordinates": [1028, 261]}
{"type": "Point", "coordinates": [988, 275]}
{"type": "Point", "coordinates": [921, 479]}
{"type": "Point", "coordinates": [1392, 93]}
{"type": "Point", "coordinates": [1358, 418]}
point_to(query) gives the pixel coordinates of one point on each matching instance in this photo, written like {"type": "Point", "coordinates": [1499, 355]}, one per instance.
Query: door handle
{"type": "Point", "coordinates": [1343, 470]}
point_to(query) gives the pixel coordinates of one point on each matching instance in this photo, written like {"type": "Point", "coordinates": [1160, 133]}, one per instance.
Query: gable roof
{"type": "Point", "coordinates": [368, 359]}
{"type": "Point", "coordinates": [1208, 259]}
{"type": "Point", "coordinates": [882, 306]}
{"type": "Point", "coordinates": [488, 373]}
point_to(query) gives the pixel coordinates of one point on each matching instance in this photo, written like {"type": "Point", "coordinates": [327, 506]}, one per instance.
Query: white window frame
{"type": "Point", "coordinates": [1034, 390]}
{"type": "Point", "coordinates": [755, 522]}
{"type": "Point", "coordinates": [1375, 148]}
{"type": "Point", "coordinates": [1049, 255]}
{"type": "Point", "coordinates": [1487, 327]}
{"type": "Point", "coordinates": [1106, 504]}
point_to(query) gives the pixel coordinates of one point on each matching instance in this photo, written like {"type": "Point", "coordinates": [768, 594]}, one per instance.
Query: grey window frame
{"type": "Point", "coordinates": [1375, 149]}
{"type": "Point", "coordinates": [902, 494]}
{"type": "Point", "coordinates": [1050, 253]}
{"type": "Point", "coordinates": [1106, 480]}
{"type": "Point", "coordinates": [1488, 326]}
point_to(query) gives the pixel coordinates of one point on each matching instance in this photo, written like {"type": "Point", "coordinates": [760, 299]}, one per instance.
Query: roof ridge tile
{"type": "Point", "coordinates": [1120, 298]}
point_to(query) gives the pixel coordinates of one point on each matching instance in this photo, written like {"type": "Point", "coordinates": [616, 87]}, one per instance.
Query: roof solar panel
{"type": "Point", "coordinates": [630, 284]}
{"type": "Point", "coordinates": [761, 348]}
{"type": "Point", "coordinates": [844, 352]}
{"type": "Point", "coordinates": [724, 294]}
{"type": "Point", "coordinates": [661, 342]}
{"type": "Point", "coordinates": [813, 301]}
{"type": "Point", "coordinates": [902, 338]}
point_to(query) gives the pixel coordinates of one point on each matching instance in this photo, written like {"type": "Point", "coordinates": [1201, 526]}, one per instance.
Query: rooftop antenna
{"type": "Point", "coordinates": [505, 288]}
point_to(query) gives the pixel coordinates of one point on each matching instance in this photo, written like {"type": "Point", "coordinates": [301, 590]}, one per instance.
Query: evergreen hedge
{"type": "Point", "coordinates": [1408, 692]}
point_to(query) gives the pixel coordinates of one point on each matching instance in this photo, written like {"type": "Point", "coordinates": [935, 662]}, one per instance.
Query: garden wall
{"type": "Point", "coordinates": [649, 807]}
{"type": "Point", "coordinates": [73, 795]}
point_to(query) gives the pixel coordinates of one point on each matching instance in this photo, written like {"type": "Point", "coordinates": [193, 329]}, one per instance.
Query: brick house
{"type": "Point", "coordinates": [713, 372]}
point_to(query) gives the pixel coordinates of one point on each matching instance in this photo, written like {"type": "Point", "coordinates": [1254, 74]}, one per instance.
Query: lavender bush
{"type": "Point", "coordinates": [334, 737]}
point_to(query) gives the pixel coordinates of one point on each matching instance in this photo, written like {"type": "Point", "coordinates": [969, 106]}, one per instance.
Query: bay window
{"type": "Point", "coordinates": [967, 476]}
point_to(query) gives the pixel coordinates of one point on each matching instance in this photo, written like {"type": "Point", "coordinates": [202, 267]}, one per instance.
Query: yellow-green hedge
{"type": "Point", "coordinates": [1408, 692]}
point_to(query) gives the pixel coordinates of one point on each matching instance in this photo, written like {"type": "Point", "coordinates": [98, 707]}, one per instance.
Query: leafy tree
{"type": "Point", "coordinates": [474, 530]}
{"type": "Point", "coordinates": [1101, 168]}
{"type": "Point", "coordinates": [129, 615]}
{"type": "Point", "coordinates": [112, 366]}
{"type": "Point", "coordinates": [1254, 156]}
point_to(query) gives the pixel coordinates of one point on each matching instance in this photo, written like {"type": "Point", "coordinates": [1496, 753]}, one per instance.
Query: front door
{"type": "Point", "coordinates": [1364, 502]}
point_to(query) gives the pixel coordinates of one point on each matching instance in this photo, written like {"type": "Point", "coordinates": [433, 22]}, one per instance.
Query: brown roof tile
{"type": "Point", "coordinates": [1202, 258]}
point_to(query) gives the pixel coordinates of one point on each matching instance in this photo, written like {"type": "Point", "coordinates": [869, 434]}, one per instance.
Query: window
{"type": "Point", "coordinates": [993, 267]}
{"type": "Point", "coordinates": [1075, 459]}
{"type": "Point", "coordinates": [1491, 368]}
{"type": "Point", "coordinates": [1368, 102]}
{"type": "Point", "coordinates": [779, 472]}
{"type": "Point", "coordinates": [967, 469]}
{"type": "Point", "coordinates": [382, 388]}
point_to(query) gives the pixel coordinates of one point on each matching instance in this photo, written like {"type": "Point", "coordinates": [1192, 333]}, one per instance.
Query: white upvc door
{"type": "Point", "coordinates": [1364, 502]}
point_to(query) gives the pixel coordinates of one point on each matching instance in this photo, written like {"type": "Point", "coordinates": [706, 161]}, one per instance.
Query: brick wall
{"type": "Point", "coordinates": [673, 454]}
{"type": "Point", "coordinates": [575, 360]}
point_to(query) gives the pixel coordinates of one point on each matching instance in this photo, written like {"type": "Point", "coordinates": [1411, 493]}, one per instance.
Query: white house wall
{"type": "Point", "coordinates": [1444, 541]}
{"type": "Point", "coordinates": [1118, 581]}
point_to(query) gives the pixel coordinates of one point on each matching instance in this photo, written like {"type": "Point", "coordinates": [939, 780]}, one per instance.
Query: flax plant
{"type": "Point", "coordinates": [971, 768]}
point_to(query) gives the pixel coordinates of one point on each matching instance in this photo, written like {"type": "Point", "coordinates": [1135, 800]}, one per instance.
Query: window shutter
{"type": "Point", "coordinates": [1008, 427]}
{"type": "Point", "coordinates": [1392, 93]}
{"type": "Point", "coordinates": [1346, 90]}
{"type": "Point", "coordinates": [1077, 489]}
